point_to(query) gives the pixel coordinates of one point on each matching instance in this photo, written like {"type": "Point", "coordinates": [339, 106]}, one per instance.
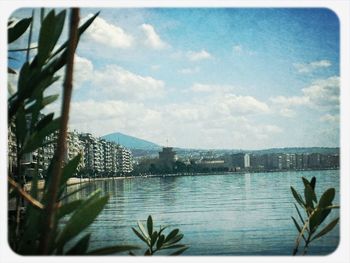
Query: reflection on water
{"type": "Point", "coordinates": [232, 214]}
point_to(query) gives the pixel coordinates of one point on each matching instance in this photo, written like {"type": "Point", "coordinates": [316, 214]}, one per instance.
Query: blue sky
{"type": "Point", "coordinates": [209, 78]}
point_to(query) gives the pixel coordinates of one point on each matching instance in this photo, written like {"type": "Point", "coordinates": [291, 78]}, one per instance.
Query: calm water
{"type": "Point", "coordinates": [232, 214]}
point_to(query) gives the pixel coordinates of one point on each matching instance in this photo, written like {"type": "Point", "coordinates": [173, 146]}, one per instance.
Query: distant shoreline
{"type": "Point", "coordinates": [75, 180]}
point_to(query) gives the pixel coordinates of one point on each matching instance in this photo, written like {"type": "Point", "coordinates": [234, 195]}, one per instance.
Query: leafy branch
{"type": "Point", "coordinates": [157, 240]}
{"type": "Point", "coordinates": [316, 213]}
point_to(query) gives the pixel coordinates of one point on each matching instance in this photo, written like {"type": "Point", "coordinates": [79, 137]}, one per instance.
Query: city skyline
{"type": "Point", "coordinates": [210, 78]}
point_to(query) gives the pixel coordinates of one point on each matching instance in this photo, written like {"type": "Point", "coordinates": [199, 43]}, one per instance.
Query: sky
{"type": "Point", "coordinates": [207, 78]}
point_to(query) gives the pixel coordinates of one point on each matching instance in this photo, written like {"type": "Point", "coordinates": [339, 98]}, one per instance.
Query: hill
{"type": "Point", "coordinates": [131, 142]}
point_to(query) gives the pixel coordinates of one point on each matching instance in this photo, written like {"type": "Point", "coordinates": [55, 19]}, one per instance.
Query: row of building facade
{"type": "Point", "coordinates": [273, 161]}
{"type": "Point", "coordinates": [99, 157]}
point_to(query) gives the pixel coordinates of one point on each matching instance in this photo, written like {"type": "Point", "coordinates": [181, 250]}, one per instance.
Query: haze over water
{"type": "Point", "coordinates": [232, 214]}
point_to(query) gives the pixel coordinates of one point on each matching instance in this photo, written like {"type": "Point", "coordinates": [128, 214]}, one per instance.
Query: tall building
{"type": "Point", "coordinates": [238, 161]}
{"type": "Point", "coordinates": [93, 153]}
{"type": "Point", "coordinates": [124, 160]}
{"type": "Point", "coordinates": [167, 157]}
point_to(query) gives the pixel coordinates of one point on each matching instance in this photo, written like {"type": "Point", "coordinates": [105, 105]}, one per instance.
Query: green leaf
{"type": "Point", "coordinates": [21, 125]}
{"type": "Point", "coordinates": [81, 30]}
{"type": "Point", "coordinates": [160, 241]}
{"type": "Point", "coordinates": [298, 228]}
{"type": "Point", "coordinates": [50, 32]}
{"type": "Point", "coordinates": [18, 29]}
{"type": "Point", "coordinates": [11, 71]}
{"type": "Point", "coordinates": [80, 247]}
{"type": "Point", "coordinates": [313, 182]}
{"type": "Point", "coordinates": [296, 225]}
{"type": "Point", "coordinates": [327, 229]}
{"type": "Point", "coordinates": [327, 198]}
{"type": "Point", "coordinates": [317, 217]}
{"type": "Point", "coordinates": [150, 226]}
{"type": "Point", "coordinates": [48, 100]}
{"type": "Point", "coordinates": [297, 197]}
{"type": "Point", "coordinates": [36, 140]}
{"type": "Point", "coordinates": [179, 252]}
{"type": "Point", "coordinates": [111, 250]}
{"type": "Point", "coordinates": [301, 218]}
{"type": "Point", "coordinates": [140, 236]}
{"type": "Point", "coordinates": [154, 237]}
{"type": "Point", "coordinates": [175, 239]}
{"type": "Point", "coordinates": [171, 235]}
{"type": "Point", "coordinates": [143, 230]}
{"type": "Point", "coordinates": [73, 192]}
{"type": "Point", "coordinates": [44, 121]}
{"type": "Point", "coordinates": [309, 196]}
{"type": "Point", "coordinates": [69, 169]}
{"type": "Point", "coordinates": [68, 208]}
{"type": "Point", "coordinates": [82, 217]}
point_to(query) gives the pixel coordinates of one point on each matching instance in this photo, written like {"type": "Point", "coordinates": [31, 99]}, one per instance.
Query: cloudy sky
{"type": "Point", "coordinates": [209, 78]}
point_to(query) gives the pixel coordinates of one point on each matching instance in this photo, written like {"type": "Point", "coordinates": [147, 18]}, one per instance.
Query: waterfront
{"type": "Point", "coordinates": [231, 214]}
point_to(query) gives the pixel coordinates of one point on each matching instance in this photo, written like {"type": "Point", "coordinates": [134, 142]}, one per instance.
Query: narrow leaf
{"type": "Point", "coordinates": [327, 198]}
{"type": "Point", "coordinates": [69, 169]}
{"type": "Point", "coordinates": [140, 236]}
{"type": "Point", "coordinates": [18, 29]}
{"type": "Point", "coordinates": [301, 218]}
{"type": "Point", "coordinates": [298, 227]}
{"type": "Point", "coordinates": [81, 246]}
{"type": "Point", "coordinates": [327, 229]}
{"type": "Point", "coordinates": [313, 182]}
{"type": "Point", "coordinates": [50, 32]}
{"type": "Point", "coordinates": [297, 197]}
{"type": "Point", "coordinates": [179, 252]}
{"type": "Point", "coordinates": [150, 226]}
{"type": "Point", "coordinates": [68, 208]}
{"type": "Point", "coordinates": [160, 241]}
{"type": "Point", "coordinates": [171, 235]}
{"type": "Point", "coordinates": [175, 239]}
{"type": "Point", "coordinates": [82, 217]}
{"type": "Point", "coordinates": [143, 230]}
{"type": "Point", "coordinates": [36, 140]}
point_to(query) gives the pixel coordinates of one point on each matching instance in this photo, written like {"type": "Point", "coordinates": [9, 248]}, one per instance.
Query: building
{"type": "Point", "coordinates": [167, 158]}
{"type": "Point", "coordinates": [124, 160]}
{"type": "Point", "coordinates": [237, 161]}
{"type": "Point", "coordinates": [93, 154]}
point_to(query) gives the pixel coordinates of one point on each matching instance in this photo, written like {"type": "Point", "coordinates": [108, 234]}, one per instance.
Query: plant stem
{"type": "Point", "coordinates": [299, 236]}
{"type": "Point", "coordinates": [34, 202]}
{"type": "Point", "coordinates": [49, 223]}
{"type": "Point", "coordinates": [30, 36]}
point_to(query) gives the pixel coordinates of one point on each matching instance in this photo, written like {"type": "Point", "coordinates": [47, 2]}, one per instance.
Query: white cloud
{"type": "Point", "coordinates": [152, 40]}
{"type": "Point", "coordinates": [82, 70]}
{"type": "Point", "coordinates": [108, 34]}
{"type": "Point", "coordinates": [322, 94]}
{"type": "Point", "coordinates": [155, 67]}
{"type": "Point", "coordinates": [330, 118]}
{"type": "Point", "coordinates": [285, 112]}
{"type": "Point", "coordinates": [290, 101]}
{"type": "Point", "coordinates": [235, 104]}
{"type": "Point", "coordinates": [113, 81]}
{"type": "Point", "coordinates": [197, 56]}
{"type": "Point", "coordinates": [237, 49]}
{"type": "Point", "coordinates": [213, 89]}
{"type": "Point", "coordinates": [116, 82]}
{"type": "Point", "coordinates": [189, 71]}
{"type": "Point", "coordinates": [312, 66]}
{"type": "Point", "coordinates": [197, 123]}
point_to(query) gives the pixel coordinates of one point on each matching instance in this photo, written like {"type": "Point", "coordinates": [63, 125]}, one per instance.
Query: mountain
{"type": "Point", "coordinates": [131, 142]}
